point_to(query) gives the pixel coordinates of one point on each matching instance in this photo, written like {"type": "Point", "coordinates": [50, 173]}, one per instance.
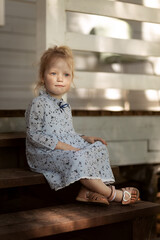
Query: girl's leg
{"type": "Point", "coordinates": [96, 185]}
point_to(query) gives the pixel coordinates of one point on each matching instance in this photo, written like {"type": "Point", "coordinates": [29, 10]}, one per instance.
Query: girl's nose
{"type": "Point", "coordinates": [60, 77]}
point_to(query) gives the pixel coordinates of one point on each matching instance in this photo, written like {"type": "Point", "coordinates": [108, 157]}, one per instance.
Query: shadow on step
{"type": "Point", "coordinates": [37, 196]}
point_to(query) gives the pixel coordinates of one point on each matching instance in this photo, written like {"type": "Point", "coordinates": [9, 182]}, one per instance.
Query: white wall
{"type": "Point", "coordinates": [17, 53]}
{"type": "Point", "coordinates": [131, 139]}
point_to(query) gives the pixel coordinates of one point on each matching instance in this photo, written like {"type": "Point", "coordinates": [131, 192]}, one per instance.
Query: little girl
{"type": "Point", "coordinates": [54, 148]}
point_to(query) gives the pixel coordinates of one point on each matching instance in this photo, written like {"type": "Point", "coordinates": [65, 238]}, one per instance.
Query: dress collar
{"type": "Point", "coordinates": [56, 100]}
{"type": "Point", "coordinates": [60, 102]}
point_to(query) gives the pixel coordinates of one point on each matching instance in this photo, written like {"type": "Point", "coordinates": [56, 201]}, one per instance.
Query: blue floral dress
{"type": "Point", "coordinates": [48, 121]}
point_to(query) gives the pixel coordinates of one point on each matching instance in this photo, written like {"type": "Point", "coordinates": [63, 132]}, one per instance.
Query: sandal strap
{"type": "Point", "coordinates": [127, 195]}
{"type": "Point", "coordinates": [124, 196]}
{"type": "Point", "coordinates": [112, 195]}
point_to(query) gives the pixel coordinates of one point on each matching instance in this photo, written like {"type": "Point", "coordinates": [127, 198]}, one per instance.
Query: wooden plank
{"type": "Point", "coordinates": [16, 76]}
{"type": "Point", "coordinates": [117, 128]}
{"type": "Point", "coordinates": [154, 145]}
{"type": "Point", "coordinates": [10, 113]}
{"type": "Point", "coordinates": [12, 142]}
{"type": "Point", "coordinates": [21, 98]}
{"type": "Point", "coordinates": [142, 228]}
{"type": "Point", "coordinates": [115, 9]}
{"type": "Point", "coordinates": [2, 12]}
{"type": "Point", "coordinates": [127, 152]}
{"type": "Point", "coordinates": [125, 132]}
{"type": "Point", "coordinates": [100, 80]}
{"type": "Point", "coordinates": [123, 135]}
{"type": "Point", "coordinates": [96, 113]}
{"type": "Point", "coordinates": [66, 218]}
{"type": "Point", "coordinates": [15, 177]}
{"type": "Point", "coordinates": [96, 43]}
{"type": "Point", "coordinates": [10, 139]}
{"type": "Point", "coordinates": [153, 157]}
{"type": "Point", "coordinates": [17, 42]}
{"type": "Point", "coordinates": [16, 59]}
{"type": "Point", "coordinates": [21, 93]}
{"type": "Point", "coordinates": [26, 9]}
{"type": "Point", "coordinates": [19, 25]}
{"type": "Point", "coordinates": [121, 152]}
{"type": "Point", "coordinates": [16, 87]}
{"type": "Point", "coordinates": [11, 102]}
{"type": "Point", "coordinates": [17, 51]}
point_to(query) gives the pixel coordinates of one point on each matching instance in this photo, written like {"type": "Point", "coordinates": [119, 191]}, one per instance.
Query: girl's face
{"type": "Point", "coordinates": [57, 78]}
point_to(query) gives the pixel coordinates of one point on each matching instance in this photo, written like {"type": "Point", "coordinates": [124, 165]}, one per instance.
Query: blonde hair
{"type": "Point", "coordinates": [56, 52]}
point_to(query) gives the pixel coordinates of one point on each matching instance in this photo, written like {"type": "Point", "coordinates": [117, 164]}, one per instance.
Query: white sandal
{"type": "Point", "coordinates": [130, 195]}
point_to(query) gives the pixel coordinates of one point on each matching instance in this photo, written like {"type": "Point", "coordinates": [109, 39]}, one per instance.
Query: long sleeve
{"type": "Point", "coordinates": [38, 133]}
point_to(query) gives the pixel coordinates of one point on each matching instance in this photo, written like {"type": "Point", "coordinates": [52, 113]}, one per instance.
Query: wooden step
{"type": "Point", "coordinates": [12, 139]}
{"type": "Point", "coordinates": [17, 139]}
{"type": "Point", "coordinates": [16, 177]}
{"type": "Point", "coordinates": [73, 217]}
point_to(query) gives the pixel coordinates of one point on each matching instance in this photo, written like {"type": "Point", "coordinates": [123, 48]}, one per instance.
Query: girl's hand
{"type": "Point", "coordinates": [94, 139]}
{"type": "Point", "coordinates": [65, 146]}
{"type": "Point", "coordinates": [69, 147]}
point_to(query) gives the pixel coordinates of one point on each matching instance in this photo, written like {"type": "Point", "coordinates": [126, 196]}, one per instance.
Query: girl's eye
{"type": "Point", "coordinates": [53, 73]}
{"type": "Point", "coordinates": [67, 74]}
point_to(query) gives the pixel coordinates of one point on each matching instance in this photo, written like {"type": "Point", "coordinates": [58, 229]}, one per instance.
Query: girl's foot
{"type": "Point", "coordinates": [88, 196]}
{"type": "Point", "coordinates": [128, 195]}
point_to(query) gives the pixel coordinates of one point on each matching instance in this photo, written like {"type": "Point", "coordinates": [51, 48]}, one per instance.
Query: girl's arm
{"type": "Point", "coordinates": [35, 124]}
{"type": "Point", "coordinates": [94, 139]}
{"type": "Point", "coordinates": [35, 133]}
{"type": "Point", "coordinates": [65, 146]}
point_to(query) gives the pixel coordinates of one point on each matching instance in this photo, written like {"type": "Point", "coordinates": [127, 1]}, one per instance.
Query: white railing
{"type": "Point", "coordinates": [55, 32]}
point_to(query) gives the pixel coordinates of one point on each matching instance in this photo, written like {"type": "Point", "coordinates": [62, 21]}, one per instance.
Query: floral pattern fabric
{"type": "Point", "coordinates": [48, 121]}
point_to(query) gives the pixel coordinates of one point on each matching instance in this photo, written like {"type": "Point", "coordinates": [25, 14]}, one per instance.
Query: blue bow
{"type": "Point", "coordinates": [62, 106]}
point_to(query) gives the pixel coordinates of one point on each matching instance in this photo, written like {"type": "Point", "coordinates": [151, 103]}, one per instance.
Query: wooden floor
{"type": "Point", "coordinates": [74, 217]}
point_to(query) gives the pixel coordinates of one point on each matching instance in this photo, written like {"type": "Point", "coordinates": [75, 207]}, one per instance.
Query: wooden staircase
{"type": "Point", "coordinates": [31, 210]}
